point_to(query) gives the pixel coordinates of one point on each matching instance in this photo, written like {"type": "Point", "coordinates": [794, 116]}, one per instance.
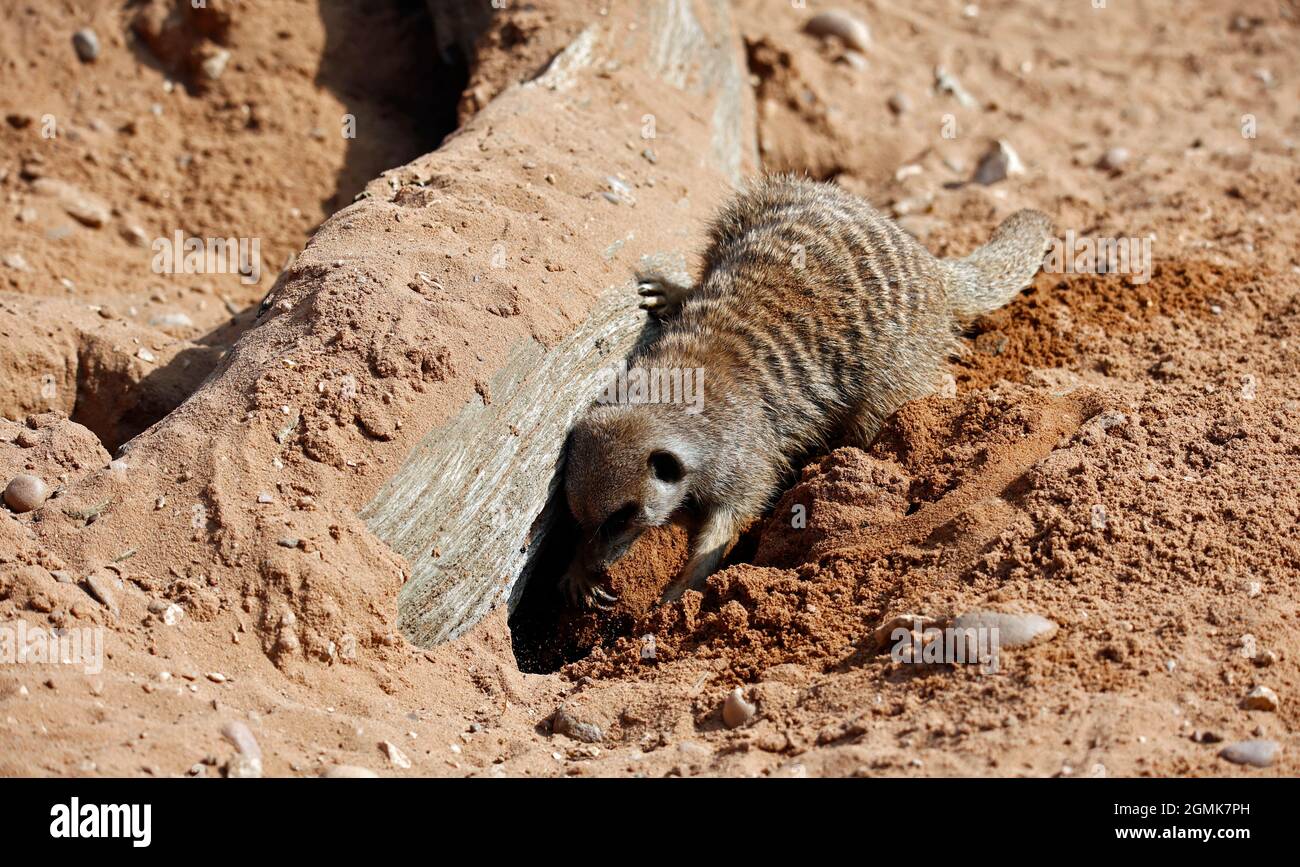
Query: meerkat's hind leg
{"type": "Point", "coordinates": [862, 426]}
{"type": "Point", "coordinates": [662, 291]}
{"type": "Point", "coordinates": [708, 546]}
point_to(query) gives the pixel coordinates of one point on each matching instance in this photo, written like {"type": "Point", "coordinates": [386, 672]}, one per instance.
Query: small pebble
{"type": "Point", "coordinates": [395, 755]}
{"type": "Point", "coordinates": [85, 208]}
{"type": "Point", "coordinates": [24, 493]}
{"type": "Point", "coordinates": [1014, 630]}
{"type": "Point", "coordinates": [1260, 698]}
{"type": "Point", "coordinates": [1259, 753]}
{"type": "Point", "coordinates": [1097, 517]}
{"type": "Point", "coordinates": [998, 163]}
{"type": "Point", "coordinates": [86, 44]}
{"type": "Point", "coordinates": [172, 320]}
{"type": "Point", "coordinates": [735, 710]}
{"type": "Point", "coordinates": [247, 764]}
{"type": "Point", "coordinates": [848, 28]}
{"type": "Point", "coordinates": [900, 103]}
{"type": "Point", "coordinates": [16, 262]}
{"type": "Point", "coordinates": [1113, 160]}
{"type": "Point", "coordinates": [348, 772]}
{"type": "Point", "coordinates": [215, 64]}
{"type": "Point", "coordinates": [134, 235]}
{"type": "Point", "coordinates": [563, 722]}
{"type": "Point", "coordinates": [98, 586]}
{"type": "Point", "coordinates": [854, 59]}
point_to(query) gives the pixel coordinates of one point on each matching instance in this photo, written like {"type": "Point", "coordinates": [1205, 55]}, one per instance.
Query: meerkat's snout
{"type": "Point", "coordinates": [622, 477]}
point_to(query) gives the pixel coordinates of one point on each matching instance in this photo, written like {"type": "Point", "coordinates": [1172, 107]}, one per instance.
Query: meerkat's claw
{"type": "Point", "coordinates": [653, 299]}
{"type": "Point", "coordinates": [584, 592]}
{"type": "Point", "coordinates": [660, 296]}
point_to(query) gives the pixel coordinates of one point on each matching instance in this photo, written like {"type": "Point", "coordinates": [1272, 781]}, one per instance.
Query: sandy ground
{"type": "Point", "coordinates": [1117, 454]}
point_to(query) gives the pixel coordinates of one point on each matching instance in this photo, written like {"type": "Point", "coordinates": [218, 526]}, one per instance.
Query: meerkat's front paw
{"type": "Point", "coordinates": [584, 591]}
{"type": "Point", "coordinates": [660, 296]}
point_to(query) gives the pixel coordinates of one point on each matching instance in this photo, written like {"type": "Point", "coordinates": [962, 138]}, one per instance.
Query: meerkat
{"type": "Point", "coordinates": [814, 319]}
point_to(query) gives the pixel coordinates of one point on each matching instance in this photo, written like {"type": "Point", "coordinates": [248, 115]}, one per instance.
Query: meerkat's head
{"type": "Point", "coordinates": [627, 469]}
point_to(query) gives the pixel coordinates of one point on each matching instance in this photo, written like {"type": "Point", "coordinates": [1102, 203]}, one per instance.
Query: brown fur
{"type": "Point", "coordinates": [815, 318]}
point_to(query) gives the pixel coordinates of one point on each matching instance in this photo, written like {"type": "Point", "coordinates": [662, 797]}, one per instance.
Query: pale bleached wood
{"type": "Point", "coordinates": [480, 489]}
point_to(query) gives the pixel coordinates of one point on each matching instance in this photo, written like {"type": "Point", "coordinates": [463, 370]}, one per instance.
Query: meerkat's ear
{"type": "Point", "coordinates": [666, 466]}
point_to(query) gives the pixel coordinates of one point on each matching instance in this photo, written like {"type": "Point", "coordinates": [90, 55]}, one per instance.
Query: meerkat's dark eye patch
{"type": "Point", "coordinates": [666, 467]}
{"type": "Point", "coordinates": [617, 522]}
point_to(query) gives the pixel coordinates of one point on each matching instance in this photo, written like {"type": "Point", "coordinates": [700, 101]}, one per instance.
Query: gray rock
{"type": "Point", "coordinates": [86, 44]}
{"type": "Point", "coordinates": [563, 722]}
{"type": "Point", "coordinates": [1257, 753]}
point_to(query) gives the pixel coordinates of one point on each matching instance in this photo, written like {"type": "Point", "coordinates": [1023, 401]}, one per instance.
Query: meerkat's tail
{"type": "Point", "coordinates": [995, 273]}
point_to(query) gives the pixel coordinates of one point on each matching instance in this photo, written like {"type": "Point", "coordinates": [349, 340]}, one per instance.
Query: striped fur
{"type": "Point", "coordinates": [815, 318]}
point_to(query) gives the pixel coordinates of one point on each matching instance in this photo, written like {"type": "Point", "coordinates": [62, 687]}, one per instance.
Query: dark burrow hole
{"type": "Point", "coordinates": [547, 632]}
{"type": "Point", "coordinates": [400, 75]}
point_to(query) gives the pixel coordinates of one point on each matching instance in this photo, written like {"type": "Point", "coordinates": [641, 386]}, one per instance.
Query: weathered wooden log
{"type": "Point", "coordinates": [421, 361]}
{"type": "Point", "coordinates": [481, 487]}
